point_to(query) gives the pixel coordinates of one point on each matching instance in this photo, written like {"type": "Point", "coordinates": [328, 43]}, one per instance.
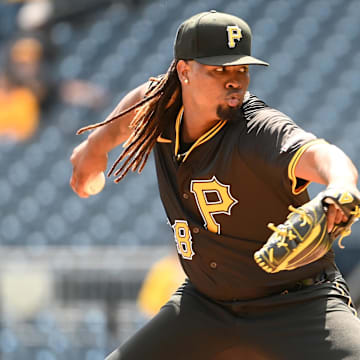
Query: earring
{"type": "Point", "coordinates": [186, 81]}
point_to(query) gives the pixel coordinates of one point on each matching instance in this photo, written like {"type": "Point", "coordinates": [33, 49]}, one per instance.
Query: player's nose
{"type": "Point", "coordinates": [233, 84]}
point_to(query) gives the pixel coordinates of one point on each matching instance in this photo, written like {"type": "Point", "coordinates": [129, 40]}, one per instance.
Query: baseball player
{"type": "Point", "coordinates": [227, 165]}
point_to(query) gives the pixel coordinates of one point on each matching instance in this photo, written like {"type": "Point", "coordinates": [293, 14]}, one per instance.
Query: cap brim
{"type": "Point", "coordinates": [227, 60]}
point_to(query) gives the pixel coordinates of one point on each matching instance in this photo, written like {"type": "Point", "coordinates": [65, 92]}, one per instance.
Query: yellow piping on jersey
{"type": "Point", "coordinates": [203, 138]}
{"type": "Point", "coordinates": [293, 163]}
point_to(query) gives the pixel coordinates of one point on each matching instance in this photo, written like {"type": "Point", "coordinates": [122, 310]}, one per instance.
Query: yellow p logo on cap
{"type": "Point", "coordinates": [234, 33]}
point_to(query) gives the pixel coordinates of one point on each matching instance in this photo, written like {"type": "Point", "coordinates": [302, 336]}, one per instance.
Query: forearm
{"type": "Point", "coordinates": [335, 167]}
{"type": "Point", "coordinates": [106, 138]}
{"type": "Point", "coordinates": [328, 165]}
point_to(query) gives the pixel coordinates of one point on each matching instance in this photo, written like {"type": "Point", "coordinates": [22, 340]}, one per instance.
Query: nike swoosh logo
{"type": "Point", "coordinates": [160, 139]}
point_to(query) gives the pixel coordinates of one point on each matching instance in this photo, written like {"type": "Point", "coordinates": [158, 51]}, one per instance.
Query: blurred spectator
{"type": "Point", "coordinates": [35, 14]}
{"type": "Point", "coordinates": [83, 93]}
{"type": "Point", "coordinates": [27, 66]}
{"type": "Point", "coordinates": [19, 111]}
{"type": "Point", "coordinates": [27, 87]}
{"type": "Point", "coordinates": [162, 280]}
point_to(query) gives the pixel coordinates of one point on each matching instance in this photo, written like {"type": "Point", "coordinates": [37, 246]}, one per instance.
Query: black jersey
{"type": "Point", "coordinates": [222, 192]}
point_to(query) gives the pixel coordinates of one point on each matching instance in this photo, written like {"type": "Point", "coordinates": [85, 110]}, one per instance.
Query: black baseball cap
{"type": "Point", "coordinates": [215, 38]}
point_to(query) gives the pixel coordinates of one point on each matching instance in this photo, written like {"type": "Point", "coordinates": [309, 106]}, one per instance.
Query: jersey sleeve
{"type": "Point", "coordinates": [277, 144]}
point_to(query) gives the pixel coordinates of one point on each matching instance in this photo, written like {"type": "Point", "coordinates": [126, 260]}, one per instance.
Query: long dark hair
{"type": "Point", "coordinates": [152, 113]}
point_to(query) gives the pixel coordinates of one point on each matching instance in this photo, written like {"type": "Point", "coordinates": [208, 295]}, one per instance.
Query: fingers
{"type": "Point", "coordinates": [77, 187]}
{"type": "Point", "coordinates": [76, 181]}
{"type": "Point", "coordinates": [334, 216]}
{"type": "Point", "coordinates": [330, 218]}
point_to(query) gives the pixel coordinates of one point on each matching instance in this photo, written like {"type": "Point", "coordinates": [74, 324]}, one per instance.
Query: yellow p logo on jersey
{"type": "Point", "coordinates": [225, 201]}
{"type": "Point", "coordinates": [233, 33]}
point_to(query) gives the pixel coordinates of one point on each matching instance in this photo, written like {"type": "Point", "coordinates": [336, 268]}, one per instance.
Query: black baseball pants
{"type": "Point", "coordinates": [316, 322]}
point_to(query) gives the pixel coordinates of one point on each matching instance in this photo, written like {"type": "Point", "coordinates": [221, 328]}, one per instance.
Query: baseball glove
{"type": "Point", "coordinates": [303, 238]}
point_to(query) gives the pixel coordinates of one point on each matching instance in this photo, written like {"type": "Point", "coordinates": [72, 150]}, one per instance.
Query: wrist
{"type": "Point", "coordinates": [345, 185]}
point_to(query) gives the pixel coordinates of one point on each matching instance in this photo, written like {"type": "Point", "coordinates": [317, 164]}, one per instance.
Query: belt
{"type": "Point", "coordinates": [320, 278]}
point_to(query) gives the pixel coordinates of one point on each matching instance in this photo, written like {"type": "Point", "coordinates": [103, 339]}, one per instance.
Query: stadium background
{"type": "Point", "coordinates": [71, 268]}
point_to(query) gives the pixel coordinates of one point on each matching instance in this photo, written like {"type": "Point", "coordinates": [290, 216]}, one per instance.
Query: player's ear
{"type": "Point", "coordinates": [182, 68]}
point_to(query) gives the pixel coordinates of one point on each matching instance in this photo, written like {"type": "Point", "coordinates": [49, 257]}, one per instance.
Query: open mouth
{"type": "Point", "coordinates": [233, 100]}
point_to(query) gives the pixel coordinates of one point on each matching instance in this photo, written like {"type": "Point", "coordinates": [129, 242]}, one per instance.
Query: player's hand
{"type": "Point", "coordinates": [335, 215]}
{"type": "Point", "coordinates": [87, 163]}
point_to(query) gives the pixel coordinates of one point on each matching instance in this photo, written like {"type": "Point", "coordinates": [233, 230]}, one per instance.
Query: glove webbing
{"type": "Point", "coordinates": [306, 219]}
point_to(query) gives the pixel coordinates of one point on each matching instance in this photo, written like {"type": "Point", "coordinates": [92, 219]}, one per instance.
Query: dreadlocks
{"type": "Point", "coordinates": [162, 100]}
